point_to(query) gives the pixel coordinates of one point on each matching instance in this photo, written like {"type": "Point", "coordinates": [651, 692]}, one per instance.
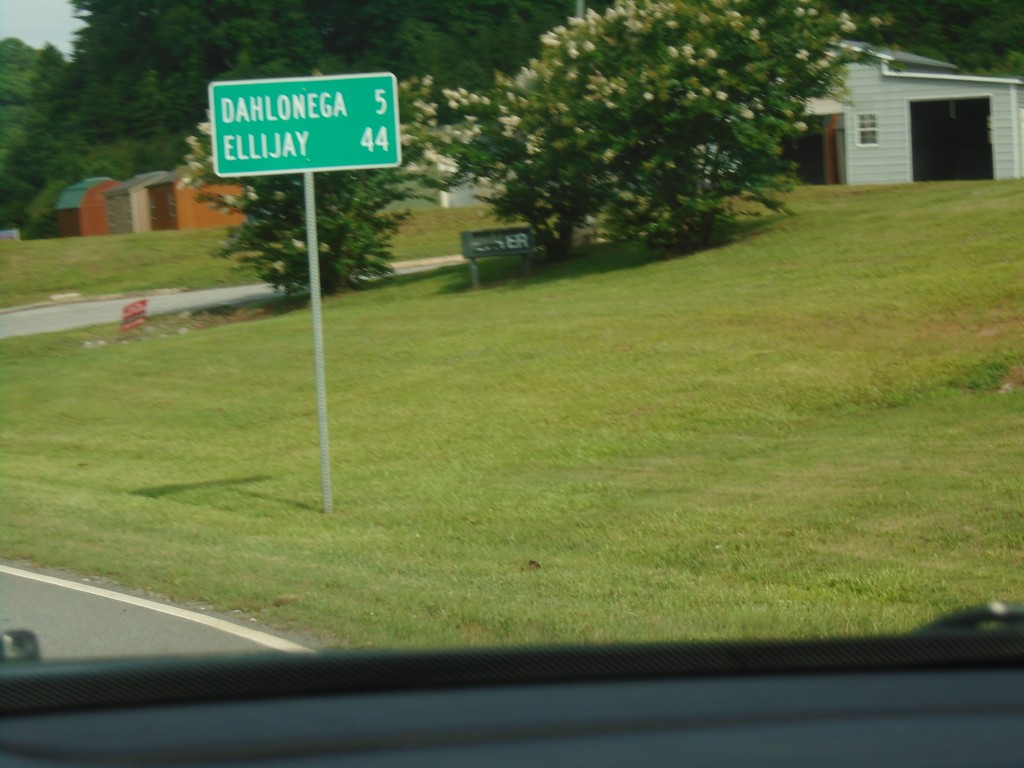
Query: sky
{"type": "Point", "coordinates": [38, 22]}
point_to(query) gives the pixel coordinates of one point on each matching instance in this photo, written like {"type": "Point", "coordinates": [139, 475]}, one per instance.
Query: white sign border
{"type": "Point", "coordinates": [214, 155]}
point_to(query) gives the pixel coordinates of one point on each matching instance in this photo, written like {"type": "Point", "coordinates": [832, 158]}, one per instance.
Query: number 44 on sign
{"type": "Point", "coordinates": [371, 142]}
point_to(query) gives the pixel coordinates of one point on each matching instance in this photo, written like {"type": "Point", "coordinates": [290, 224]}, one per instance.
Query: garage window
{"type": "Point", "coordinates": [867, 129]}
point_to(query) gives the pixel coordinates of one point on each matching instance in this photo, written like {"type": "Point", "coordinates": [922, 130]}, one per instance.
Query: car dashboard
{"type": "Point", "coordinates": [951, 699]}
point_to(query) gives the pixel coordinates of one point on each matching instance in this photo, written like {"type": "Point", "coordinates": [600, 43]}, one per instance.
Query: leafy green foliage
{"type": "Point", "coordinates": [353, 229]}
{"type": "Point", "coordinates": [151, 62]}
{"type": "Point", "coordinates": [136, 81]}
{"type": "Point", "coordinates": [461, 43]}
{"type": "Point", "coordinates": [976, 35]}
{"type": "Point", "coordinates": [16, 63]}
{"type": "Point", "coordinates": [545, 184]}
{"type": "Point", "coordinates": [660, 115]}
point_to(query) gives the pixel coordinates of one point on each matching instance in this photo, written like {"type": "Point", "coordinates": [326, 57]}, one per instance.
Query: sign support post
{"type": "Point", "coordinates": [313, 252]}
{"type": "Point", "coordinates": [304, 125]}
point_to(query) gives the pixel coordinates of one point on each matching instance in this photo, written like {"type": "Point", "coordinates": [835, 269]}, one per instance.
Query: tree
{"type": "Point", "coordinates": [45, 154]}
{"type": "Point", "coordinates": [976, 35]}
{"type": "Point", "coordinates": [141, 62]}
{"type": "Point", "coordinates": [16, 63]}
{"type": "Point", "coordinates": [661, 114]}
{"type": "Point", "coordinates": [519, 145]}
{"type": "Point", "coordinates": [460, 42]}
{"type": "Point", "coordinates": [356, 217]}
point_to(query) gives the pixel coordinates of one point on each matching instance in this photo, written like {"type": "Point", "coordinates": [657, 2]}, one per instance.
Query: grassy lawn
{"type": "Point", "coordinates": [435, 231]}
{"type": "Point", "coordinates": [815, 430]}
{"type": "Point", "coordinates": [35, 270]}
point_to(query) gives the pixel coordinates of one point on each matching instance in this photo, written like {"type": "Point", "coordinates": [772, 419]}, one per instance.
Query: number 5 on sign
{"type": "Point", "coordinates": [371, 142]}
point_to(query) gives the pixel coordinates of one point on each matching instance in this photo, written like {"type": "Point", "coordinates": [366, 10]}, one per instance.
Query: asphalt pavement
{"type": "Point", "coordinates": [62, 315]}
{"type": "Point", "coordinates": [76, 618]}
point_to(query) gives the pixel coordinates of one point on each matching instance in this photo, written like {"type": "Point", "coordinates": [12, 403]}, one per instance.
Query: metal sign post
{"type": "Point", "coordinates": [313, 248]}
{"type": "Point", "coordinates": [303, 125]}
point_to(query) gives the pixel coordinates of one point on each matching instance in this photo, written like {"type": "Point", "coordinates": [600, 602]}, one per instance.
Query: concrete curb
{"type": "Point", "coordinates": [434, 261]}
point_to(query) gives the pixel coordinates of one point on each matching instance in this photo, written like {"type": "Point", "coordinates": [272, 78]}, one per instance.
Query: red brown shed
{"type": "Point", "coordinates": [82, 209]}
{"type": "Point", "coordinates": [175, 206]}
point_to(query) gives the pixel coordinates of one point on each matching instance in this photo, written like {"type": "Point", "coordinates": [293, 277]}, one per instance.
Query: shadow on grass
{"type": "Point", "coordinates": [159, 491]}
{"type": "Point", "coordinates": [506, 271]}
{"type": "Point", "coordinates": [281, 305]}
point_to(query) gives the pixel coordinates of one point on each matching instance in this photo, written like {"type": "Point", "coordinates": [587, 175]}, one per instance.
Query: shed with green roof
{"type": "Point", "coordinates": [82, 208]}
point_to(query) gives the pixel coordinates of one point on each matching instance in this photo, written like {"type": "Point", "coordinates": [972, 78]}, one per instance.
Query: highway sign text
{"type": "Point", "coordinates": [299, 125]}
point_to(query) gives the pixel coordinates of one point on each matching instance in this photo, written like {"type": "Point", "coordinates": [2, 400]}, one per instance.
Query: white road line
{"type": "Point", "coordinates": [253, 635]}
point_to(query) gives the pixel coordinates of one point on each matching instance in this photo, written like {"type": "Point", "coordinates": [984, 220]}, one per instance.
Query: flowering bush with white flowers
{"type": "Point", "coordinates": [354, 222]}
{"type": "Point", "coordinates": [660, 114]}
{"type": "Point", "coordinates": [521, 146]}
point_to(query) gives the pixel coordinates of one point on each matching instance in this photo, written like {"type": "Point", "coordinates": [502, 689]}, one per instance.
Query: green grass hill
{"type": "Point", "coordinates": [814, 430]}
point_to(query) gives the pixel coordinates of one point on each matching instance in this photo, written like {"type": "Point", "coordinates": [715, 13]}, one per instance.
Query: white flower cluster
{"type": "Point", "coordinates": [581, 95]}
{"type": "Point", "coordinates": [553, 37]}
{"type": "Point", "coordinates": [427, 110]}
{"type": "Point", "coordinates": [459, 98]}
{"type": "Point", "coordinates": [509, 124]}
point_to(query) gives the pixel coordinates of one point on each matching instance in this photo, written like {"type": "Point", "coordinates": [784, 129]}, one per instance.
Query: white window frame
{"type": "Point", "coordinates": [867, 127]}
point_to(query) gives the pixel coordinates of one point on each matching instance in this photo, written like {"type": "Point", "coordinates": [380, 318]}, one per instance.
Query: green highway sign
{"type": "Point", "coordinates": [305, 124]}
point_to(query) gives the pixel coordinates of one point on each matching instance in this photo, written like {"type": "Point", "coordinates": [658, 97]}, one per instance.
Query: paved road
{"type": "Point", "coordinates": [79, 618]}
{"type": "Point", "coordinates": [81, 314]}
{"type": "Point", "coordinates": [62, 316]}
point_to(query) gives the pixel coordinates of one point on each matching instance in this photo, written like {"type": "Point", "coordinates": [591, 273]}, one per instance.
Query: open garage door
{"type": "Point", "coordinates": [951, 139]}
